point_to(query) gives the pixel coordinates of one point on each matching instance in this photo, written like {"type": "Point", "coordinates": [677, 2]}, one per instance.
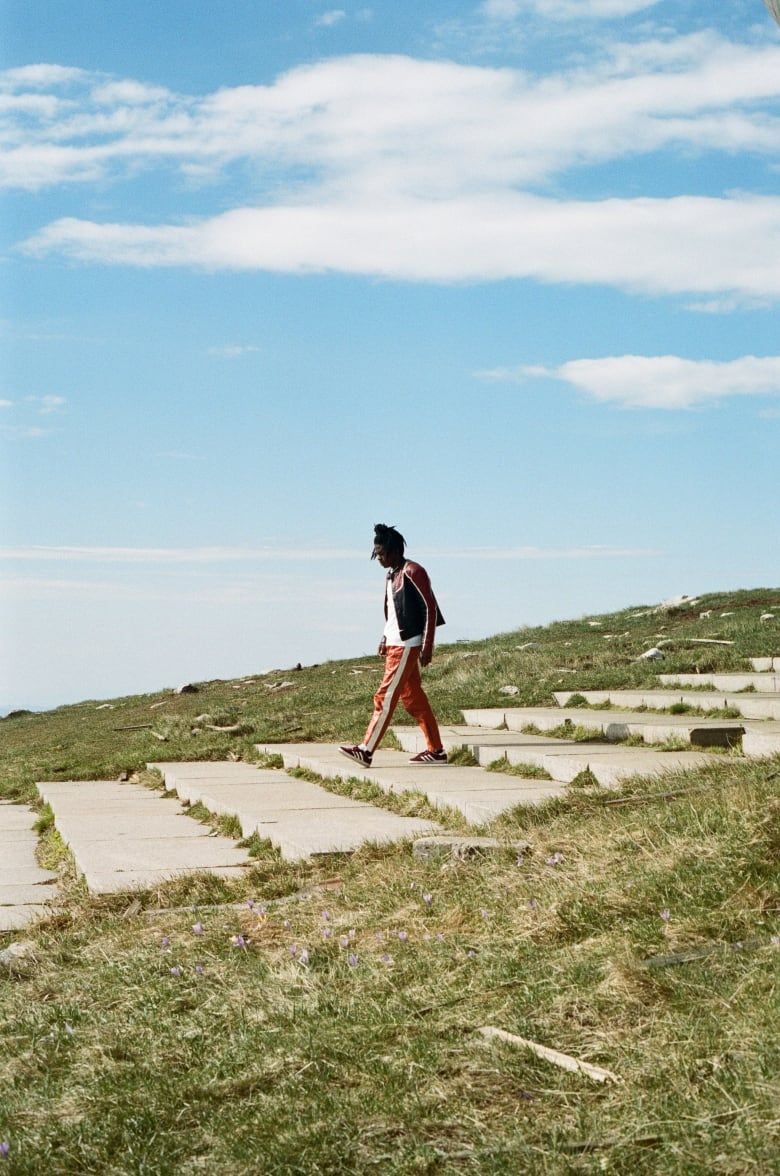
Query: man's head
{"type": "Point", "coordinates": [389, 546]}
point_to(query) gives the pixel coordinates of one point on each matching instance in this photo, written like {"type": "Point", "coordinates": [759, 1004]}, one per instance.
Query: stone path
{"type": "Point", "coordinates": [25, 889]}
{"type": "Point", "coordinates": [765, 683]}
{"type": "Point", "coordinates": [751, 706]}
{"type": "Point", "coordinates": [613, 725]}
{"type": "Point", "coordinates": [479, 795]}
{"type": "Point", "coordinates": [765, 665]}
{"type": "Point", "coordinates": [761, 740]}
{"type": "Point", "coordinates": [298, 818]}
{"type": "Point", "coordinates": [125, 837]}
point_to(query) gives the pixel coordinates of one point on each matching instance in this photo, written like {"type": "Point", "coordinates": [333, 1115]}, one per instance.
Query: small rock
{"type": "Point", "coordinates": [595, 624]}
{"type": "Point", "coordinates": [188, 688]}
{"type": "Point", "coordinates": [703, 615]}
{"type": "Point", "coordinates": [154, 705]}
{"type": "Point", "coordinates": [767, 617]}
{"type": "Point", "coordinates": [508, 690]}
{"type": "Point", "coordinates": [727, 614]}
{"type": "Point", "coordinates": [18, 958]}
{"type": "Point", "coordinates": [650, 655]}
{"type": "Point", "coordinates": [528, 645]}
{"type": "Point", "coordinates": [429, 849]}
{"type": "Point", "coordinates": [105, 706]}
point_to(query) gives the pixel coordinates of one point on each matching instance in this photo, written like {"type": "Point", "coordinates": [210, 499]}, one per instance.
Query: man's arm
{"type": "Point", "coordinates": [419, 578]}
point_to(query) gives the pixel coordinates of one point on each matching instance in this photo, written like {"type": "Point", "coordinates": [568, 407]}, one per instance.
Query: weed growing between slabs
{"type": "Point", "coordinates": [336, 1031]}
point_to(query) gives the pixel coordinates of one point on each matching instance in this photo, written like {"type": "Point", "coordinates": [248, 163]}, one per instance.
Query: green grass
{"type": "Point", "coordinates": [246, 1060]}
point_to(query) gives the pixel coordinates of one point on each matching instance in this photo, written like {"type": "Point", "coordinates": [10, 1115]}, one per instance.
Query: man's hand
{"type": "Point", "coordinates": [426, 656]}
{"type": "Point", "coordinates": [382, 650]}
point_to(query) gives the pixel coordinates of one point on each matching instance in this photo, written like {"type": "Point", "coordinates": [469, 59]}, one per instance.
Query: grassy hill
{"type": "Point", "coordinates": [134, 1043]}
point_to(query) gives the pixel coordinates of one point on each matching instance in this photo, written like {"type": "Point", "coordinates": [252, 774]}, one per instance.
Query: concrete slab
{"type": "Point", "coordinates": [205, 769]}
{"type": "Point", "coordinates": [18, 854]}
{"type": "Point", "coordinates": [758, 742]}
{"type": "Point", "coordinates": [609, 765]}
{"type": "Point", "coordinates": [392, 772]}
{"type": "Point", "coordinates": [123, 882]}
{"type": "Point", "coordinates": [298, 838]}
{"type": "Point", "coordinates": [26, 836]}
{"type": "Point", "coordinates": [25, 875]}
{"type": "Point", "coordinates": [77, 827]}
{"type": "Point", "coordinates": [617, 725]}
{"type": "Point", "coordinates": [14, 918]}
{"type": "Point", "coordinates": [482, 805]}
{"type": "Point", "coordinates": [766, 683]}
{"type": "Point", "coordinates": [117, 843]}
{"type": "Point", "coordinates": [281, 792]}
{"type": "Point", "coordinates": [16, 816]}
{"type": "Point", "coordinates": [162, 854]}
{"type": "Point", "coordinates": [749, 706]}
{"type": "Point", "coordinates": [469, 737]}
{"type": "Point", "coordinates": [765, 665]}
{"type": "Point", "coordinates": [18, 894]}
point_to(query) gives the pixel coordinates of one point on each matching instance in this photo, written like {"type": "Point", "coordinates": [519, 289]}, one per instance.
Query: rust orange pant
{"type": "Point", "coordinates": [401, 683]}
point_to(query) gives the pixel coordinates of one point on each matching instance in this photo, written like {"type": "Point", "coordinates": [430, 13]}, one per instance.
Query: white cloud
{"type": "Point", "coordinates": [232, 350]}
{"type": "Point", "coordinates": [685, 244]}
{"type": "Point", "coordinates": [22, 432]}
{"type": "Point", "coordinates": [328, 19]}
{"type": "Point", "coordinates": [369, 123]}
{"type": "Point", "coordinates": [662, 381]}
{"type": "Point", "coordinates": [47, 404]}
{"type": "Point", "coordinates": [326, 555]}
{"type": "Point", "coordinates": [564, 9]}
{"type": "Point", "coordinates": [6, 403]}
{"type": "Point", "coordinates": [41, 75]}
{"type": "Point", "coordinates": [420, 170]}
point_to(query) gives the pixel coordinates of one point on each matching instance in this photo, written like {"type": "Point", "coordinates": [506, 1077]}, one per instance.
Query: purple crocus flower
{"type": "Point", "coordinates": [303, 958]}
{"type": "Point", "coordinates": [343, 941]}
{"type": "Point", "coordinates": [199, 969]}
{"type": "Point", "coordinates": [286, 924]}
{"type": "Point", "coordinates": [250, 903]}
{"type": "Point", "coordinates": [352, 960]}
{"type": "Point", "coordinates": [326, 932]}
{"type": "Point", "coordinates": [239, 941]}
{"type": "Point", "coordinates": [555, 859]}
{"type": "Point", "coordinates": [666, 914]}
{"type": "Point", "coordinates": [403, 936]}
{"type": "Point", "coordinates": [326, 916]}
{"type": "Point", "coordinates": [439, 937]}
{"type": "Point", "coordinates": [198, 928]}
{"type": "Point", "coordinates": [175, 970]}
{"type": "Point", "coordinates": [5, 1148]}
{"type": "Point", "coordinates": [485, 914]}
{"type": "Point", "coordinates": [532, 904]}
{"type": "Point", "coordinates": [427, 898]}
{"type": "Point", "coordinates": [293, 950]}
{"type": "Point", "coordinates": [386, 958]}
{"type": "Point", "coordinates": [165, 942]}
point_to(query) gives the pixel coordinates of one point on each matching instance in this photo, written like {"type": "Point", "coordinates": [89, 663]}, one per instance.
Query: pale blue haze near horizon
{"type": "Point", "coordinates": [503, 273]}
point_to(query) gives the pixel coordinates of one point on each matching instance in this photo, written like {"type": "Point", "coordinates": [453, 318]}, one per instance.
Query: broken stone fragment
{"type": "Point", "coordinates": [430, 849]}
{"type": "Point", "coordinates": [18, 958]}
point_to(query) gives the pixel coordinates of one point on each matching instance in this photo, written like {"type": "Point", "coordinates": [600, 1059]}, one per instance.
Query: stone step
{"type": "Point", "coordinates": [609, 764]}
{"type": "Point", "coordinates": [26, 891]}
{"type": "Point", "coordinates": [617, 725]}
{"type": "Point", "coordinates": [765, 683]}
{"type": "Point", "coordinates": [471, 737]}
{"type": "Point", "coordinates": [125, 837]}
{"type": "Point", "coordinates": [299, 818]}
{"type": "Point", "coordinates": [765, 665]}
{"type": "Point", "coordinates": [478, 795]}
{"type": "Point", "coordinates": [750, 706]}
{"type": "Point", "coordinates": [760, 741]}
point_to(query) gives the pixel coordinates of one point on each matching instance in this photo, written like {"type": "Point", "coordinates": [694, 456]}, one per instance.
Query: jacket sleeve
{"type": "Point", "coordinates": [418, 577]}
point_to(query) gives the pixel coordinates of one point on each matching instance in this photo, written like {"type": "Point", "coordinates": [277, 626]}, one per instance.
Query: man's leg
{"type": "Point", "coordinates": [415, 701]}
{"type": "Point", "coordinates": [397, 662]}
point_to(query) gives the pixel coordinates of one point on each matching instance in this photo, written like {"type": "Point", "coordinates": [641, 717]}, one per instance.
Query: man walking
{"type": "Point", "coordinates": [411, 617]}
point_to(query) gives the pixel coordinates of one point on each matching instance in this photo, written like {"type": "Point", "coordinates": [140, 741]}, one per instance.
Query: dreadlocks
{"type": "Point", "coordinates": [392, 541]}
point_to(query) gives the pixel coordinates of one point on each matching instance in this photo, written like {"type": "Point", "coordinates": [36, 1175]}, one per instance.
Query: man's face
{"type": "Point", "coordinates": [381, 556]}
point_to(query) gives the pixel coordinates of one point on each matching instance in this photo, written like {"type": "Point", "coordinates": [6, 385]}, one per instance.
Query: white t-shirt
{"type": "Point", "coordinates": [392, 633]}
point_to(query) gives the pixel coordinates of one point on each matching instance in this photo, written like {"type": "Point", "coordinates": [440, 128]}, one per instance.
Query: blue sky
{"type": "Point", "coordinates": [504, 274]}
